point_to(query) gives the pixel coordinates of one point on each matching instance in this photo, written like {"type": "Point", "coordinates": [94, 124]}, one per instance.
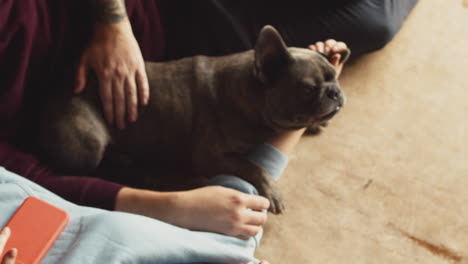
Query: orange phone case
{"type": "Point", "coordinates": [34, 228]}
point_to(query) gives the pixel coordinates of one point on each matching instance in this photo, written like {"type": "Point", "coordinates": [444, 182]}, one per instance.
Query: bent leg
{"type": "Point", "coordinates": [365, 25]}
{"type": "Point", "coordinates": [222, 27]}
{"type": "Point", "coordinates": [100, 236]}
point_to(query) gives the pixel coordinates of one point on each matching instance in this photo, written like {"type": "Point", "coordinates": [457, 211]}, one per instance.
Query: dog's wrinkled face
{"type": "Point", "coordinates": [300, 84]}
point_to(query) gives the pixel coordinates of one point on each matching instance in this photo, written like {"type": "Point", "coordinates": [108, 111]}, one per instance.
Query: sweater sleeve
{"type": "Point", "coordinates": [85, 191]}
{"type": "Point", "coordinates": [271, 159]}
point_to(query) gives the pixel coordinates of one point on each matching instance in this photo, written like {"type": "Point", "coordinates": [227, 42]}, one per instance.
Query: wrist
{"type": "Point", "coordinates": [104, 29]}
{"type": "Point", "coordinates": [287, 141]}
{"type": "Point", "coordinates": [110, 16]}
{"type": "Point", "coordinates": [110, 11]}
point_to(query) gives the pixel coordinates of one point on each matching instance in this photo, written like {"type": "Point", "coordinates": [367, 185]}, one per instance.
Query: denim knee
{"type": "Point", "coordinates": [382, 19]}
{"type": "Point", "coordinates": [380, 33]}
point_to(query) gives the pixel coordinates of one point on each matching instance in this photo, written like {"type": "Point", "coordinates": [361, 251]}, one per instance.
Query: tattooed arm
{"type": "Point", "coordinates": [110, 11]}
{"type": "Point", "coordinates": [114, 55]}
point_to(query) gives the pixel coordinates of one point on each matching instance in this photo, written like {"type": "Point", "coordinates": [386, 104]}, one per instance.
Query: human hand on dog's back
{"type": "Point", "coordinates": [115, 57]}
{"type": "Point", "coordinates": [213, 209]}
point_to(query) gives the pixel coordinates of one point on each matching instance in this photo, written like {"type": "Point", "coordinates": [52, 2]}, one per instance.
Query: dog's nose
{"type": "Point", "coordinates": [333, 94]}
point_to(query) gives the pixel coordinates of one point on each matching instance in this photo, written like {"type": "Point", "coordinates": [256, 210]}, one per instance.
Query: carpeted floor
{"type": "Point", "coordinates": [387, 181]}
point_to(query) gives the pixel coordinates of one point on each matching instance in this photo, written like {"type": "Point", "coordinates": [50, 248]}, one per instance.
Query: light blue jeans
{"type": "Point", "coordinates": [100, 236]}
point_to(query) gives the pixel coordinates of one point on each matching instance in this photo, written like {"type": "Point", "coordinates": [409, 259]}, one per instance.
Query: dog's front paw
{"type": "Point", "coordinates": [316, 129]}
{"type": "Point", "coordinates": [276, 203]}
{"type": "Point", "coordinates": [270, 191]}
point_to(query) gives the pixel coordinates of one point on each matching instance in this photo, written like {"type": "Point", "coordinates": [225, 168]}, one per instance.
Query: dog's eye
{"type": "Point", "coordinates": [309, 90]}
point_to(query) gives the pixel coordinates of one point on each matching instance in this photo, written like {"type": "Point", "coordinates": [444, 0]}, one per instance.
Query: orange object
{"type": "Point", "coordinates": [34, 228]}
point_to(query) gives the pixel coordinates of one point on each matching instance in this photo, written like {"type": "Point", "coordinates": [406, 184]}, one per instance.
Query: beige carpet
{"type": "Point", "coordinates": [387, 182]}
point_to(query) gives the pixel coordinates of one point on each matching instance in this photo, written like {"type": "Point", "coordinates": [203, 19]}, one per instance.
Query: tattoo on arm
{"type": "Point", "coordinates": [110, 11]}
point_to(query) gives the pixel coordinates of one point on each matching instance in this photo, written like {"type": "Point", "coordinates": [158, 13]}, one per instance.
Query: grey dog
{"type": "Point", "coordinates": [209, 112]}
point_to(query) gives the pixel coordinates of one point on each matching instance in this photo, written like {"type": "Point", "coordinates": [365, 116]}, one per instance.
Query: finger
{"type": "Point", "coordinates": [329, 45]}
{"type": "Point", "coordinates": [10, 256]}
{"type": "Point", "coordinates": [339, 46]}
{"type": "Point", "coordinates": [107, 100]}
{"type": "Point", "coordinates": [249, 231]}
{"type": "Point", "coordinates": [312, 47]}
{"type": "Point", "coordinates": [256, 202]}
{"type": "Point", "coordinates": [255, 218]}
{"type": "Point", "coordinates": [132, 99]}
{"type": "Point", "coordinates": [118, 94]}
{"type": "Point", "coordinates": [320, 46]}
{"type": "Point", "coordinates": [335, 59]}
{"type": "Point", "coordinates": [80, 78]}
{"type": "Point", "coordinates": [143, 87]}
{"type": "Point", "coordinates": [4, 235]}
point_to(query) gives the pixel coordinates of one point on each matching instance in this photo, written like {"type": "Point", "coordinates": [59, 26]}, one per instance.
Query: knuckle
{"type": "Point", "coordinates": [105, 73]}
{"type": "Point", "coordinates": [120, 71]}
{"type": "Point", "coordinates": [236, 217]}
{"type": "Point", "coordinates": [237, 199]}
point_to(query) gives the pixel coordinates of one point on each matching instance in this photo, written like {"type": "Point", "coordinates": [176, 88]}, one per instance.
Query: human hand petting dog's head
{"type": "Point", "coordinates": [300, 85]}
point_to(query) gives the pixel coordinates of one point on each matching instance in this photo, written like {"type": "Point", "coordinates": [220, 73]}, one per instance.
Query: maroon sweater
{"type": "Point", "coordinates": [40, 39]}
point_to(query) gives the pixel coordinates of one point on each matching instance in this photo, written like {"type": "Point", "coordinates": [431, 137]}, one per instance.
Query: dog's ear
{"type": "Point", "coordinates": [271, 54]}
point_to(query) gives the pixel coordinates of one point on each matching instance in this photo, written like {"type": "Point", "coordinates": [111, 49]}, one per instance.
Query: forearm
{"type": "Point", "coordinates": [273, 155]}
{"type": "Point", "coordinates": [158, 205]}
{"type": "Point", "coordinates": [287, 141]}
{"type": "Point", "coordinates": [81, 190]}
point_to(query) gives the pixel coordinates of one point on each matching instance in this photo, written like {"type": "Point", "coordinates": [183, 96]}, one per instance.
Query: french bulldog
{"type": "Point", "coordinates": [206, 112]}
